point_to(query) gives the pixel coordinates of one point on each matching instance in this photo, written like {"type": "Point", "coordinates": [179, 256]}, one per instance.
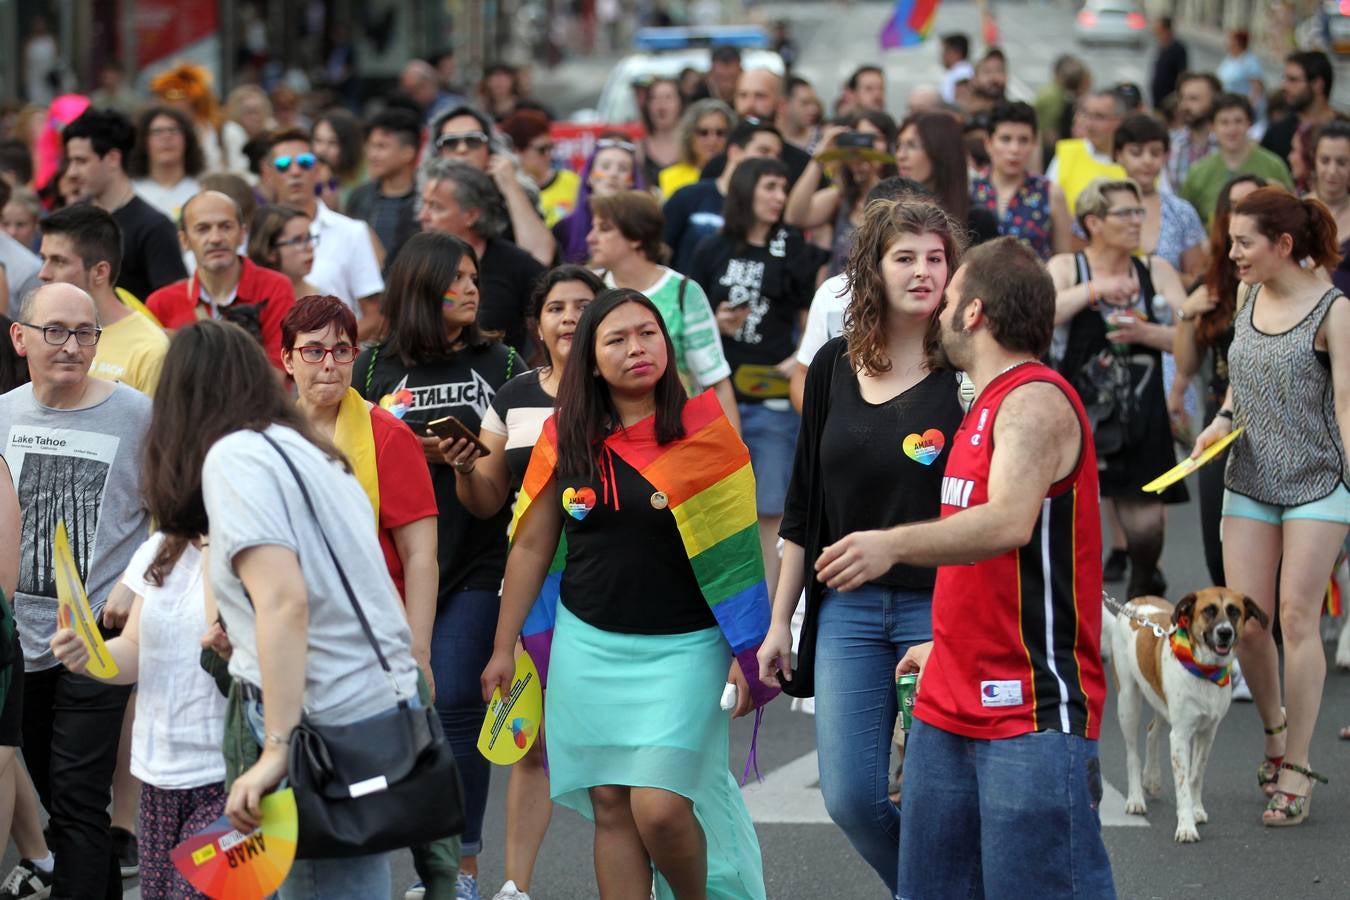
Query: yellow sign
{"type": "Point", "coordinates": [73, 610]}
{"type": "Point", "coordinates": [511, 726]}
{"type": "Point", "coordinates": [1187, 466]}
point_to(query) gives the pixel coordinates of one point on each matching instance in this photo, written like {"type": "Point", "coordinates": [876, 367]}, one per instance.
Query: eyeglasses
{"type": "Point", "coordinates": [710, 132]}
{"type": "Point", "coordinates": [57, 335]}
{"type": "Point", "coordinates": [306, 161]}
{"type": "Point", "coordinates": [300, 240]}
{"type": "Point", "coordinates": [1128, 212]}
{"type": "Point", "coordinates": [467, 140]}
{"type": "Point", "coordinates": [343, 354]}
{"type": "Point", "coordinates": [612, 144]}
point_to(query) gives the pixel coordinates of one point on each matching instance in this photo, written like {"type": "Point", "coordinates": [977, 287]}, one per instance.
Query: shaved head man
{"type": "Point", "coordinates": [758, 94]}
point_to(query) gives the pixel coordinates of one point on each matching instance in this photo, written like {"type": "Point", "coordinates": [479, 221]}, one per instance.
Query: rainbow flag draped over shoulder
{"type": "Point", "coordinates": [537, 633]}
{"type": "Point", "coordinates": [710, 488]}
{"type": "Point", "coordinates": [909, 25]}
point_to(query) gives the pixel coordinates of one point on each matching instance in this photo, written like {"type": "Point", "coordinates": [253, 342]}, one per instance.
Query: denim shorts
{"type": "Point", "coordinates": [1334, 507]}
{"type": "Point", "coordinates": [771, 435]}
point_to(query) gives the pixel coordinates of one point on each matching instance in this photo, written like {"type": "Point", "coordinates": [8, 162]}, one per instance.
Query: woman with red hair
{"type": "Point", "coordinates": [1286, 507]}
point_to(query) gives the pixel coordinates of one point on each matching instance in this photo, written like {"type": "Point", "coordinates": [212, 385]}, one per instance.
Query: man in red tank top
{"type": "Point", "coordinates": [1002, 781]}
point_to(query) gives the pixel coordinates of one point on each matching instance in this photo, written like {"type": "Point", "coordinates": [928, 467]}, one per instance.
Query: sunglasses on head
{"type": "Point", "coordinates": [468, 140]}
{"type": "Point", "coordinates": [612, 144]}
{"type": "Point", "coordinates": [306, 161]}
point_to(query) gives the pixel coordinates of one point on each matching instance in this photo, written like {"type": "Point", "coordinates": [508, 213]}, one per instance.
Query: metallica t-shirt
{"type": "Point", "coordinates": [472, 551]}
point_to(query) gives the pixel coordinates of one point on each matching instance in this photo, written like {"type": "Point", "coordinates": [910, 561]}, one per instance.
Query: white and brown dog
{"type": "Point", "coordinates": [1184, 677]}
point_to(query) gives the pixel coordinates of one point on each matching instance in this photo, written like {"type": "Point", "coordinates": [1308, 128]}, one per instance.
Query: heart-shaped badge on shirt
{"type": "Point", "coordinates": [926, 447]}
{"type": "Point", "coordinates": [578, 502]}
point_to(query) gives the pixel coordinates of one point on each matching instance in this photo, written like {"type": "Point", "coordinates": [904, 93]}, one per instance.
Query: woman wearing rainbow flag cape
{"type": "Point", "coordinates": [663, 588]}
{"type": "Point", "coordinates": [485, 484]}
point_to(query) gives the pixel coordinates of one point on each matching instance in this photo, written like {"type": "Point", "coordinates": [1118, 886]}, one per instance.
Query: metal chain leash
{"type": "Point", "coordinates": [1116, 608]}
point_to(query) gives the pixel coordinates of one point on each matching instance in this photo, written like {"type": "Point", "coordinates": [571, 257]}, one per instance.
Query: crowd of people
{"type": "Point", "coordinates": [775, 462]}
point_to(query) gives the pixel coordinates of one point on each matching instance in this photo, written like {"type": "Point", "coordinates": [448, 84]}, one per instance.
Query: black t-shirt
{"type": "Point", "coordinates": [506, 276]}
{"type": "Point", "coordinates": [1279, 137]}
{"type": "Point", "coordinates": [692, 213]}
{"type": "Point", "coordinates": [472, 551]}
{"type": "Point", "coordinates": [794, 157]}
{"type": "Point", "coordinates": [151, 254]}
{"type": "Point", "coordinates": [1171, 62]}
{"type": "Point", "coordinates": [777, 281]}
{"type": "Point", "coordinates": [880, 463]}
{"type": "Point", "coordinates": [627, 569]}
{"type": "Point", "coordinates": [522, 405]}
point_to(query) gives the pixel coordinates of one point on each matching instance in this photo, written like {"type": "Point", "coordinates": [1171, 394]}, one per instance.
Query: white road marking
{"type": "Point", "coordinates": [791, 795]}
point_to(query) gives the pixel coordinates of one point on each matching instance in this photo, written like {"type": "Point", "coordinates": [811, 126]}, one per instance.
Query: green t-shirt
{"type": "Point", "coordinates": [1204, 183]}
{"type": "Point", "coordinates": [692, 327]}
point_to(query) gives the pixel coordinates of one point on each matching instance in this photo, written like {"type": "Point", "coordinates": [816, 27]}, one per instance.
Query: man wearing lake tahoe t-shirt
{"type": "Point", "coordinates": [73, 444]}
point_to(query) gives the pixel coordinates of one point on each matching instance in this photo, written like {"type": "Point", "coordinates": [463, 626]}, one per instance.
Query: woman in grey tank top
{"type": "Point", "coordinates": [1286, 507]}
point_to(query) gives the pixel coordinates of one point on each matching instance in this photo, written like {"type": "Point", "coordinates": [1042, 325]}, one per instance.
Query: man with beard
{"type": "Point", "coordinates": [1307, 91]}
{"type": "Point", "coordinates": [1195, 139]}
{"type": "Point", "coordinates": [1008, 712]}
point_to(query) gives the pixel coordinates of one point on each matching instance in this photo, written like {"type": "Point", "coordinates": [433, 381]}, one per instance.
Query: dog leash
{"type": "Point", "coordinates": [1116, 608]}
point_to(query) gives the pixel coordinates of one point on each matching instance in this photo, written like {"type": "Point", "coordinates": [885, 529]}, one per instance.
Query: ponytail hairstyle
{"type": "Point", "coordinates": [1308, 223]}
{"type": "Point", "coordinates": [1221, 279]}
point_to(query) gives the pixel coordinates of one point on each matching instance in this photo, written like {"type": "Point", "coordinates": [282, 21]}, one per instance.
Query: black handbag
{"type": "Point", "coordinates": [383, 783]}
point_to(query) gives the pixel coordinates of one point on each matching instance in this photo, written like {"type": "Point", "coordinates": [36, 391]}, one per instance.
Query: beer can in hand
{"type": "Point", "coordinates": [904, 694]}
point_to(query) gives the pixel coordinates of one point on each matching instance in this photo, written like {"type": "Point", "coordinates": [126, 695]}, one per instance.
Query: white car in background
{"type": "Point", "coordinates": [1119, 22]}
{"type": "Point", "coordinates": [665, 53]}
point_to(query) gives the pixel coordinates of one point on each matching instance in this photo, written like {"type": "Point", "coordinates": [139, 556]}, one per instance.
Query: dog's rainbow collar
{"type": "Point", "coordinates": [1181, 649]}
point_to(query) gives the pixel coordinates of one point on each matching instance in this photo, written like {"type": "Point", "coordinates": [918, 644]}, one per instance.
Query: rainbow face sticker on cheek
{"type": "Point", "coordinates": [926, 447]}
{"type": "Point", "coordinates": [578, 503]}
{"type": "Point", "coordinates": [449, 300]}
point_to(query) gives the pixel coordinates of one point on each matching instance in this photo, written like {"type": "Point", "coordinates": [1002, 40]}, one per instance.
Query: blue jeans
{"type": "Point", "coordinates": [862, 635]}
{"type": "Point", "coordinates": [771, 437]}
{"type": "Point", "coordinates": [461, 645]}
{"type": "Point", "coordinates": [1009, 818]}
{"type": "Point", "coordinates": [352, 878]}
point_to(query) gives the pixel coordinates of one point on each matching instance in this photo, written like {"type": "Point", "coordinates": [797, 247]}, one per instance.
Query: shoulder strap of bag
{"type": "Point", "coordinates": [337, 564]}
{"type": "Point", "coordinates": [370, 370]}
{"type": "Point", "coordinates": [684, 286]}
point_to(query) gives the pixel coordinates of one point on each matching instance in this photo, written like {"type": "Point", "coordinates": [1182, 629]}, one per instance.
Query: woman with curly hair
{"type": "Point", "coordinates": [869, 393]}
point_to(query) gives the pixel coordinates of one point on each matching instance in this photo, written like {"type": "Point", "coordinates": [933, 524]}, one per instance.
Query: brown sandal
{"type": "Point", "coordinates": [1291, 808]}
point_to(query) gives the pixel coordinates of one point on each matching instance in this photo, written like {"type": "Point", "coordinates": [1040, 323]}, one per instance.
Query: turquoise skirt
{"type": "Point", "coordinates": [642, 711]}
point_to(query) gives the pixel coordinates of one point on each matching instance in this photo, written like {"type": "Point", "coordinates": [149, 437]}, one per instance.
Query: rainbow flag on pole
{"type": "Point", "coordinates": [909, 24]}
{"type": "Point", "coordinates": [710, 489]}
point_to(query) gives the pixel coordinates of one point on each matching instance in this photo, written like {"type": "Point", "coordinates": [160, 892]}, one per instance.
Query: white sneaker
{"type": "Point", "coordinates": [1240, 689]}
{"type": "Point", "coordinates": [509, 891]}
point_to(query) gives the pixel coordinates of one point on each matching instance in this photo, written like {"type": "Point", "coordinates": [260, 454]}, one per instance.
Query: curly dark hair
{"type": "Point", "coordinates": [865, 319]}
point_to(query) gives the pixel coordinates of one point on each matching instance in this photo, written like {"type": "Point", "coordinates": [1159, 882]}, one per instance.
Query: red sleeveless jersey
{"type": "Point", "coordinates": [1016, 638]}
